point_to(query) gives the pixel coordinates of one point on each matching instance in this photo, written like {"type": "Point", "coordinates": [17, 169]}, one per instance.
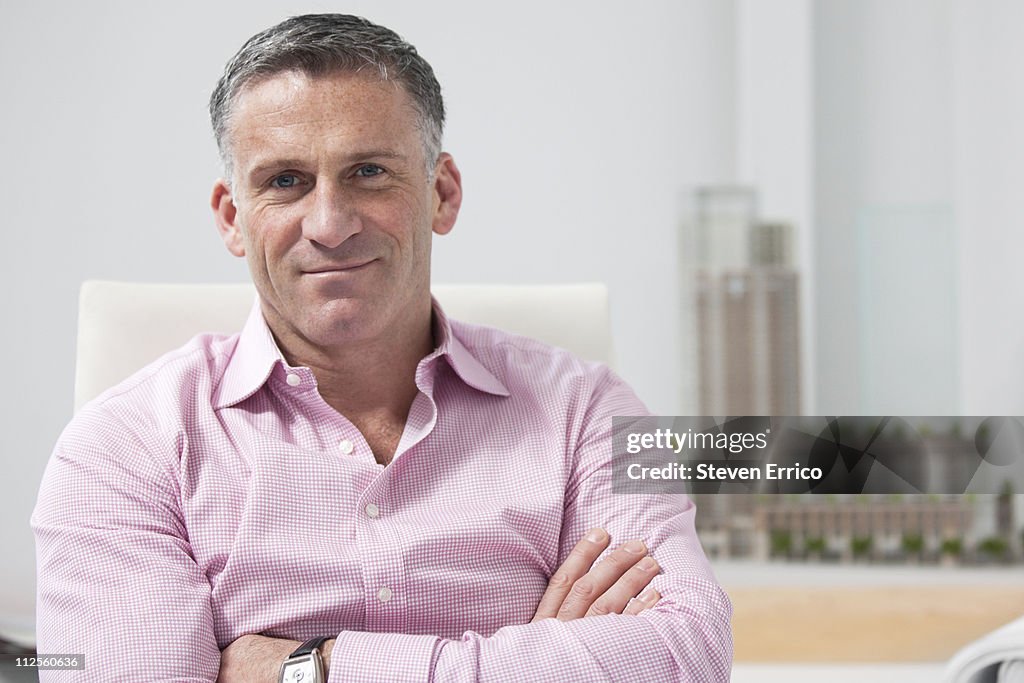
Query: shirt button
{"type": "Point", "coordinates": [293, 380]}
{"type": "Point", "coordinates": [346, 446]}
{"type": "Point", "coordinates": [384, 594]}
{"type": "Point", "coordinates": [372, 510]}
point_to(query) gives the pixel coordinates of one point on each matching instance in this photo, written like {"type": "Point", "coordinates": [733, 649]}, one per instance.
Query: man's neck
{"type": "Point", "coordinates": [371, 382]}
{"type": "Point", "coordinates": [370, 379]}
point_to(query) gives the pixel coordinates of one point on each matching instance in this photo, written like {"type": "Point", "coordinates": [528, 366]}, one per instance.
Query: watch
{"type": "Point", "coordinates": [305, 665]}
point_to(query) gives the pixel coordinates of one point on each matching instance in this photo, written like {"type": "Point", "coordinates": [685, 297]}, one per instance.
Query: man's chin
{"type": "Point", "coordinates": [341, 320]}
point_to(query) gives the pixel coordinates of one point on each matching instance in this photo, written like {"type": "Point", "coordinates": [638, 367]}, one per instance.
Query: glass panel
{"type": "Point", "coordinates": [908, 311]}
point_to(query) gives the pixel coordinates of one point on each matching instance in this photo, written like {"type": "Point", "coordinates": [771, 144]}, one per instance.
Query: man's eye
{"type": "Point", "coordinates": [369, 170]}
{"type": "Point", "coordinates": [285, 181]}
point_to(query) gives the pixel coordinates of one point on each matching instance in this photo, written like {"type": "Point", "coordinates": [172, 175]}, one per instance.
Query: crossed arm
{"type": "Point", "coordinates": [579, 588]}
{"type": "Point", "coordinates": [129, 581]}
{"type": "Point", "coordinates": [116, 565]}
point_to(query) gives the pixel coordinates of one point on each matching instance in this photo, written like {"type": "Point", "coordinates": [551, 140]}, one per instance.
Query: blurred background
{"type": "Point", "coordinates": [808, 205]}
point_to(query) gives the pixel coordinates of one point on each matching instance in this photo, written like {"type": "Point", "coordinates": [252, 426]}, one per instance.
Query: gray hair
{"type": "Point", "coordinates": [322, 44]}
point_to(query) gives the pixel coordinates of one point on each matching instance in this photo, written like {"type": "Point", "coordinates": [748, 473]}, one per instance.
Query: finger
{"type": "Point", "coordinates": [622, 591]}
{"type": "Point", "coordinates": [576, 565]}
{"type": "Point", "coordinates": [599, 579]}
{"type": "Point", "coordinates": [649, 598]}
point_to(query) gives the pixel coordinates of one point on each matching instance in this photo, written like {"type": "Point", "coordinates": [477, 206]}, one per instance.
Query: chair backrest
{"type": "Point", "coordinates": [122, 326]}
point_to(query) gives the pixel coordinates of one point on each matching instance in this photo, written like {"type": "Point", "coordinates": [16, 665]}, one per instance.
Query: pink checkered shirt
{"type": "Point", "coordinates": [216, 494]}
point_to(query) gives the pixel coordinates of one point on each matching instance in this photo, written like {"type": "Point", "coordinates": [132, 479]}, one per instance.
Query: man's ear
{"type": "Point", "coordinates": [225, 215]}
{"type": "Point", "coordinates": [447, 194]}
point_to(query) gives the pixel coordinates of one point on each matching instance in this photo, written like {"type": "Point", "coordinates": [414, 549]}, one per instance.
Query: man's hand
{"type": "Point", "coordinates": [258, 659]}
{"type": "Point", "coordinates": [579, 589]}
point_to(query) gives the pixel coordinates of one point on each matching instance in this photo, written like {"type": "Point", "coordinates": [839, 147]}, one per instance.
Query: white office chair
{"type": "Point", "coordinates": [122, 326]}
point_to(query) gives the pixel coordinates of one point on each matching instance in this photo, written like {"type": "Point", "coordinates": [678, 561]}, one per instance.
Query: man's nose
{"type": "Point", "coordinates": [331, 219]}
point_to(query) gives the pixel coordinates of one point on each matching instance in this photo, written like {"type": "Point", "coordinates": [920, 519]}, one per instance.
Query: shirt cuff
{"type": "Point", "coordinates": [359, 656]}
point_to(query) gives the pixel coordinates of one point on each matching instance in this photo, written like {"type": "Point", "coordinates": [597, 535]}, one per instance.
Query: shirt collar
{"type": "Point", "coordinates": [251, 363]}
{"type": "Point", "coordinates": [461, 360]}
{"type": "Point", "coordinates": [256, 355]}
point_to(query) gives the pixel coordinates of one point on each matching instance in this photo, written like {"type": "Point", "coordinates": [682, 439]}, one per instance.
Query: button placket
{"type": "Point", "coordinates": [382, 554]}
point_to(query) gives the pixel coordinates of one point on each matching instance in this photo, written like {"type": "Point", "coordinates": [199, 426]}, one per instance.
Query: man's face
{"type": "Point", "coordinates": [333, 207]}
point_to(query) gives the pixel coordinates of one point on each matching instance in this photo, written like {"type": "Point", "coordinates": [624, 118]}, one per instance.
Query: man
{"type": "Point", "coordinates": [421, 499]}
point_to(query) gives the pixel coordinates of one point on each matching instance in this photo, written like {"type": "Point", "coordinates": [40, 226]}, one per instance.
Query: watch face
{"type": "Point", "coordinates": [300, 670]}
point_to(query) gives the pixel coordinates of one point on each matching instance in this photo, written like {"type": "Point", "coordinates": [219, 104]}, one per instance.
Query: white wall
{"type": "Point", "coordinates": [989, 179]}
{"type": "Point", "coordinates": [575, 126]}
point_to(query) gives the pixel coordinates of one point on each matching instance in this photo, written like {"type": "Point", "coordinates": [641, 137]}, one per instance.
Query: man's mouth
{"type": "Point", "coordinates": [328, 269]}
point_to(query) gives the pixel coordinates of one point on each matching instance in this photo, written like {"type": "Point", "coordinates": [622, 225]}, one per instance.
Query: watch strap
{"type": "Point", "coordinates": [310, 645]}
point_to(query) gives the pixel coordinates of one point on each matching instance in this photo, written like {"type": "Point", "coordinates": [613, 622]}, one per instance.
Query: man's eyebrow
{"type": "Point", "coordinates": [263, 165]}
